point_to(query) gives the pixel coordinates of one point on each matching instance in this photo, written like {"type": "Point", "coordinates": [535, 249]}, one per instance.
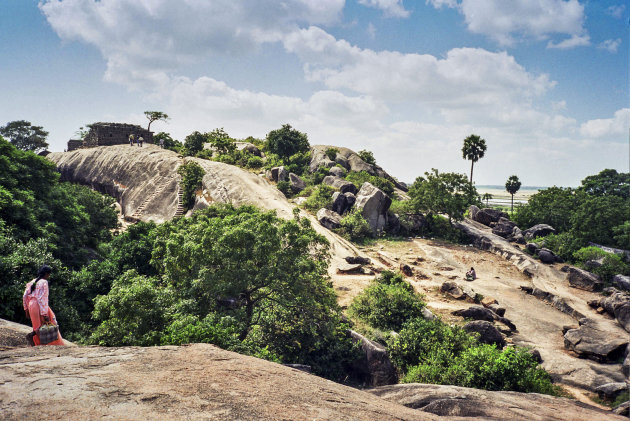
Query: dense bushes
{"type": "Point", "coordinates": [321, 197]}
{"type": "Point", "coordinates": [261, 278]}
{"type": "Point", "coordinates": [606, 265]}
{"type": "Point", "coordinates": [596, 212]}
{"type": "Point", "coordinates": [354, 226]}
{"type": "Point", "coordinates": [387, 303]}
{"type": "Point", "coordinates": [43, 220]}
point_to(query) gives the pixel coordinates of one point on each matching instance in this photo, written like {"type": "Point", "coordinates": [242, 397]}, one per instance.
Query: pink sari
{"type": "Point", "coordinates": [32, 304]}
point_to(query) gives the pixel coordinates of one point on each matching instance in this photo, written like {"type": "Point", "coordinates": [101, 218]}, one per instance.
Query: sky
{"type": "Point", "coordinates": [545, 82]}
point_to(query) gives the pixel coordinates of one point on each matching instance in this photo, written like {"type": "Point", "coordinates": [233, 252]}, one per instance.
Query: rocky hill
{"type": "Point", "coordinates": [204, 382]}
{"type": "Point", "coordinates": [145, 183]}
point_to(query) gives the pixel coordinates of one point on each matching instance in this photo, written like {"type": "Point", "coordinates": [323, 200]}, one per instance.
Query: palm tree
{"type": "Point", "coordinates": [473, 150]}
{"type": "Point", "coordinates": [512, 185]}
{"type": "Point", "coordinates": [486, 197]}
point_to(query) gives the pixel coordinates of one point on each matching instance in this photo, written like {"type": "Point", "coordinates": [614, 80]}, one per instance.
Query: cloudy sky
{"type": "Point", "coordinates": [545, 82]}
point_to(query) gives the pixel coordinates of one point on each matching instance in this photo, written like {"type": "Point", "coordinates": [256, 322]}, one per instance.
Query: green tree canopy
{"type": "Point", "coordinates": [23, 135]}
{"type": "Point", "coordinates": [287, 141]}
{"type": "Point", "coordinates": [512, 185]}
{"type": "Point", "coordinates": [473, 150]}
{"type": "Point", "coordinates": [221, 141]}
{"type": "Point", "coordinates": [194, 142]}
{"type": "Point", "coordinates": [155, 116]}
{"type": "Point", "coordinates": [442, 193]}
{"type": "Point", "coordinates": [607, 183]}
{"type": "Point", "coordinates": [169, 142]}
{"type": "Point", "coordinates": [367, 156]}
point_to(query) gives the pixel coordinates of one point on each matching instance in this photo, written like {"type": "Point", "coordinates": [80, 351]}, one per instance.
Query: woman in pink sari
{"type": "Point", "coordinates": [35, 301]}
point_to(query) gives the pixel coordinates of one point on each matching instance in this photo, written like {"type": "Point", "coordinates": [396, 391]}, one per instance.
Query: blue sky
{"type": "Point", "coordinates": [545, 82]}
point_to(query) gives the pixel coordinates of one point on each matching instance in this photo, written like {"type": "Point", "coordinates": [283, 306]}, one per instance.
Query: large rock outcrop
{"type": "Point", "coordinates": [146, 184]}
{"type": "Point", "coordinates": [350, 160]}
{"type": "Point", "coordinates": [373, 204]}
{"type": "Point", "coordinates": [202, 381]}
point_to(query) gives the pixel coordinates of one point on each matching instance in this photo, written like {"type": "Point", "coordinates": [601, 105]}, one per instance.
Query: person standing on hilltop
{"type": "Point", "coordinates": [140, 140]}
{"type": "Point", "coordinates": [35, 302]}
{"type": "Point", "coordinates": [131, 139]}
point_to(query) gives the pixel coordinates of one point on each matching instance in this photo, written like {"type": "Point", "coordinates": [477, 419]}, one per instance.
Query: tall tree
{"type": "Point", "coordinates": [443, 193]}
{"type": "Point", "coordinates": [221, 141]}
{"type": "Point", "coordinates": [512, 185]}
{"type": "Point", "coordinates": [287, 141]}
{"type": "Point", "coordinates": [473, 150]}
{"type": "Point", "coordinates": [155, 116]}
{"type": "Point", "coordinates": [23, 135]}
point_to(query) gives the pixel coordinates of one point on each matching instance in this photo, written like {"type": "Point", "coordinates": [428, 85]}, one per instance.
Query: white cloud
{"type": "Point", "coordinates": [615, 128]}
{"type": "Point", "coordinates": [161, 35]}
{"type": "Point", "coordinates": [438, 4]}
{"type": "Point", "coordinates": [466, 78]}
{"type": "Point", "coordinates": [504, 21]}
{"type": "Point", "coordinates": [611, 45]}
{"type": "Point", "coordinates": [391, 8]}
{"type": "Point", "coordinates": [574, 41]}
{"type": "Point", "coordinates": [616, 11]}
{"type": "Point", "coordinates": [371, 30]}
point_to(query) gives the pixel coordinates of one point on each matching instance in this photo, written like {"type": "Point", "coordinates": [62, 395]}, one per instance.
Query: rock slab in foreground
{"type": "Point", "coordinates": [454, 401]}
{"type": "Point", "coordinates": [175, 383]}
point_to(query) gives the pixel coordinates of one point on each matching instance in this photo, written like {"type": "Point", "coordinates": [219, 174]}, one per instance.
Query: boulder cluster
{"type": "Point", "coordinates": [502, 226]}
{"type": "Point", "coordinates": [279, 174]}
{"type": "Point", "coordinates": [616, 304]}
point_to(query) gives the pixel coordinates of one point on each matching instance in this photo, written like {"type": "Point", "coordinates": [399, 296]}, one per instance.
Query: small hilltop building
{"type": "Point", "coordinates": [106, 134]}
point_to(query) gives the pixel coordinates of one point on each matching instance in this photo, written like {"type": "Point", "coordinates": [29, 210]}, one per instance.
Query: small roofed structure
{"type": "Point", "coordinates": [106, 134]}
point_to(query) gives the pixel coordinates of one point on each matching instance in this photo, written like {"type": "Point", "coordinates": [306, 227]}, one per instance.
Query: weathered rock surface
{"type": "Point", "coordinates": [504, 227]}
{"type": "Point", "coordinates": [297, 184]}
{"type": "Point", "coordinates": [375, 366]}
{"type": "Point", "coordinates": [350, 160]}
{"type": "Point", "coordinates": [482, 313]}
{"type": "Point", "coordinates": [190, 382]}
{"type": "Point", "coordinates": [339, 183]}
{"type": "Point", "coordinates": [486, 216]}
{"type": "Point", "coordinates": [539, 230]}
{"type": "Point", "coordinates": [339, 203]}
{"type": "Point", "coordinates": [582, 279]}
{"type": "Point", "coordinates": [488, 334]}
{"type": "Point", "coordinates": [611, 390]}
{"type": "Point", "coordinates": [588, 341]}
{"type": "Point", "coordinates": [279, 174]}
{"type": "Point", "coordinates": [337, 171]}
{"type": "Point", "coordinates": [622, 282]}
{"type": "Point", "coordinates": [373, 204]}
{"type": "Point", "coordinates": [623, 409]}
{"type": "Point", "coordinates": [616, 304]}
{"type": "Point", "coordinates": [467, 404]}
{"type": "Point", "coordinates": [329, 219]}
{"type": "Point", "coordinates": [452, 289]}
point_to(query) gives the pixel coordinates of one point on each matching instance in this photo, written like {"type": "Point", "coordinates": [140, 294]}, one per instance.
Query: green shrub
{"type": "Point", "coordinates": [563, 244]}
{"type": "Point", "coordinates": [358, 178]}
{"type": "Point", "coordinates": [485, 367]}
{"type": "Point", "coordinates": [387, 303]}
{"type": "Point", "coordinates": [320, 198]}
{"type": "Point", "coordinates": [367, 156]}
{"type": "Point", "coordinates": [284, 187]}
{"type": "Point", "coordinates": [420, 341]}
{"type": "Point", "coordinates": [355, 227]}
{"type": "Point", "coordinates": [315, 178]}
{"type": "Point", "coordinates": [192, 175]}
{"type": "Point", "coordinates": [612, 264]}
{"type": "Point", "coordinates": [331, 153]}
{"type": "Point", "coordinates": [254, 162]}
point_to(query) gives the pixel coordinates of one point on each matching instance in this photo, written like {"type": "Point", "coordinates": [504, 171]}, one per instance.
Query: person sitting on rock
{"type": "Point", "coordinates": [471, 275]}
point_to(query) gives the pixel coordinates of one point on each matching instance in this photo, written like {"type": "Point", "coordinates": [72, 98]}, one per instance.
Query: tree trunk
{"type": "Point", "coordinates": [472, 163]}
{"type": "Point", "coordinates": [149, 128]}
{"type": "Point", "coordinates": [249, 313]}
{"type": "Point", "coordinates": [512, 211]}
